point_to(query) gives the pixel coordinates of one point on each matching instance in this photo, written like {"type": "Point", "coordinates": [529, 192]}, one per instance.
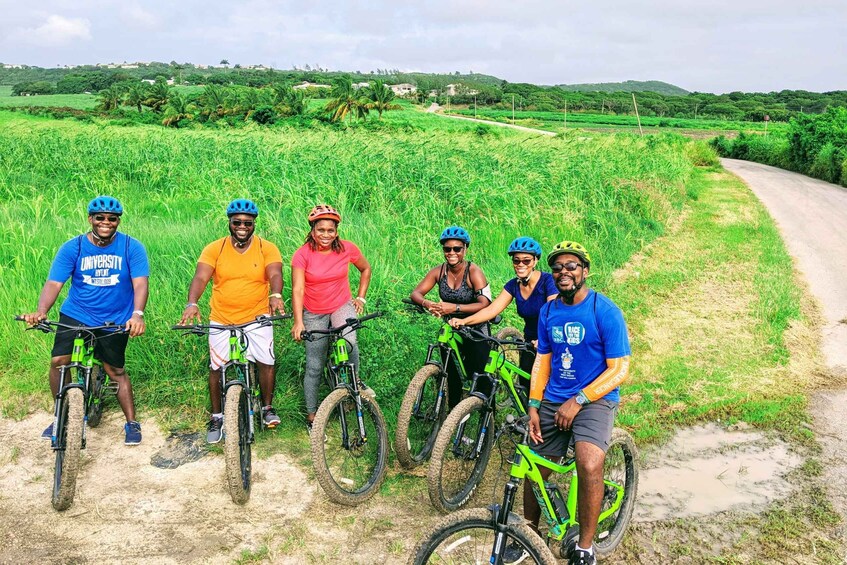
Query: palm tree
{"type": "Point", "coordinates": [178, 108]}
{"type": "Point", "coordinates": [380, 97]}
{"type": "Point", "coordinates": [213, 101]}
{"type": "Point", "coordinates": [110, 98]}
{"type": "Point", "coordinates": [136, 95]}
{"type": "Point", "coordinates": [345, 101]}
{"type": "Point", "coordinates": [157, 95]}
{"type": "Point", "coordinates": [290, 102]}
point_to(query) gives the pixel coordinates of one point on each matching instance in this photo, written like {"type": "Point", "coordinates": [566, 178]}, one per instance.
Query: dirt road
{"type": "Point", "coordinates": [812, 215]}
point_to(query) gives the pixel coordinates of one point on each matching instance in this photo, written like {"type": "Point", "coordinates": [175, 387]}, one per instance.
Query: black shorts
{"type": "Point", "coordinates": [109, 347]}
{"type": "Point", "coordinates": [593, 423]}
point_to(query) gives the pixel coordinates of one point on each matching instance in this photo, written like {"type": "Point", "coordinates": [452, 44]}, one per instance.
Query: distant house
{"type": "Point", "coordinates": [403, 88]}
{"type": "Point", "coordinates": [170, 81]}
{"type": "Point", "coordinates": [13, 66]}
{"type": "Point", "coordinates": [358, 85]}
{"type": "Point", "coordinates": [129, 66]}
{"type": "Point", "coordinates": [306, 84]}
{"type": "Point", "coordinates": [458, 88]}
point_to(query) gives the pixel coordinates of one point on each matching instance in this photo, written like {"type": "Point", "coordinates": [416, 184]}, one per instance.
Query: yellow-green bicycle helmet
{"type": "Point", "coordinates": [570, 248]}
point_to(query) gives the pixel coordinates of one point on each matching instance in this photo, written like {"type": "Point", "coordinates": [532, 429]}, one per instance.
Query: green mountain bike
{"type": "Point", "coordinates": [349, 438]}
{"type": "Point", "coordinates": [241, 400]}
{"type": "Point", "coordinates": [78, 404]}
{"type": "Point", "coordinates": [463, 445]}
{"type": "Point", "coordinates": [480, 535]}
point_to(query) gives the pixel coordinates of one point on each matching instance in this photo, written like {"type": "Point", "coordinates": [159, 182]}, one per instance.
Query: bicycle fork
{"type": "Point", "coordinates": [501, 521]}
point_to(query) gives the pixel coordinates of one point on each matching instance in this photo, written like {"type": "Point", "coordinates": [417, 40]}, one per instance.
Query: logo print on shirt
{"type": "Point", "coordinates": [558, 334]}
{"type": "Point", "coordinates": [575, 333]}
{"type": "Point", "coordinates": [567, 359]}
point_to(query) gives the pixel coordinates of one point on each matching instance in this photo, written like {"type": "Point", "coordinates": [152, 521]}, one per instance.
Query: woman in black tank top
{"type": "Point", "coordinates": [462, 290]}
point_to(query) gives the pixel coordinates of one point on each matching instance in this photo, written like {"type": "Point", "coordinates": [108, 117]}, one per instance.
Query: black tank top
{"type": "Point", "coordinates": [465, 294]}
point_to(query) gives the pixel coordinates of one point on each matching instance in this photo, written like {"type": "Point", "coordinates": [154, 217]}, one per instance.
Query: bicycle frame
{"type": "Point", "coordinates": [243, 374]}
{"type": "Point", "coordinates": [342, 374]}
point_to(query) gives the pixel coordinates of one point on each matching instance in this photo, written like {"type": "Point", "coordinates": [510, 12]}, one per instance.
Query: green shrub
{"type": "Point", "coordinates": [701, 154]}
{"type": "Point", "coordinates": [827, 164]}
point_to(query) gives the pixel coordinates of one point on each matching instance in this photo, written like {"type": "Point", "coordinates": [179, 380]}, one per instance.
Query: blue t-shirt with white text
{"type": "Point", "coordinates": [580, 338]}
{"type": "Point", "coordinates": [528, 308]}
{"type": "Point", "coordinates": [101, 278]}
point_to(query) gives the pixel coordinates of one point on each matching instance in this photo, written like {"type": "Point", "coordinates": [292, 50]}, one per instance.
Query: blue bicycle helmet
{"type": "Point", "coordinates": [242, 206]}
{"type": "Point", "coordinates": [105, 204]}
{"type": "Point", "coordinates": [525, 245]}
{"type": "Point", "coordinates": [455, 232]}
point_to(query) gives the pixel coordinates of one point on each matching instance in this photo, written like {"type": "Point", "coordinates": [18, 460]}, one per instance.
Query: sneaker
{"type": "Point", "coordinates": [514, 553]}
{"type": "Point", "coordinates": [582, 557]}
{"type": "Point", "coordinates": [215, 427]}
{"type": "Point", "coordinates": [269, 417]}
{"type": "Point", "coordinates": [48, 433]}
{"type": "Point", "coordinates": [133, 433]}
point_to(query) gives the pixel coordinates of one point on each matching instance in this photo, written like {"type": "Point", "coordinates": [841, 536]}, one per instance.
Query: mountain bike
{"type": "Point", "coordinates": [241, 399]}
{"type": "Point", "coordinates": [425, 403]}
{"type": "Point", "coordinates": [463, 445]}
{"type": "Point", "coordinates": [349, 438]}
{"type": "Point", "coordinates": [80, 396]}
{"type": "Point", "coordinates": [481, 534]}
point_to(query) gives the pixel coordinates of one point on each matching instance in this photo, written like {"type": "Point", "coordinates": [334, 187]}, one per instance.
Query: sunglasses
{"type": "Point", "coordinates": [454, 249]}
{"type": "Point", "coordinates": [516, 261]}
{"type": "Point", "coordinates": [245, 223]}
{"type": "Point", "coordinates": [103, 218]}
{"type": "Point", "coordinates": [570, 266]}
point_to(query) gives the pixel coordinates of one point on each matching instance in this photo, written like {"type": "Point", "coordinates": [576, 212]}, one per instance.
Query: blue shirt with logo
{"type": "Point", "coordinates": [528, 308]}
{"type": "Point", "coordinates": [580, 338]}
{"type": "Point", "coordinates": [101, 278]}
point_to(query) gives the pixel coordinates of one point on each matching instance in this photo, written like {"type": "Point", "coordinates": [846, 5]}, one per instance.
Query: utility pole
{"type": "Point", "coordinates": [513, 109]}
{"type": "Point", "coordinates": [566, 114]}
{"type": "Point", "coordinates": [474, 105]}
{"type": "Point", "coordinates": [636, 114]}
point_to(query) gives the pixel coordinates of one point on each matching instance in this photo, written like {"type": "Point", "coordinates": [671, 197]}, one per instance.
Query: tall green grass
{"type": "Point", "coordinates": [397, 187]}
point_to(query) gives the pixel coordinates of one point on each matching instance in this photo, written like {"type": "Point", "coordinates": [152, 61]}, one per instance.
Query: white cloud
{"type": "Point", "coordinates": [56, 30]}
{"type": "Point", "coordinates": [136, 16]}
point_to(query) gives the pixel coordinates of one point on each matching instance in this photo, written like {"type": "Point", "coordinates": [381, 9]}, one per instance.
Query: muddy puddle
{"type": "Point", "coordinates": [708, 469]}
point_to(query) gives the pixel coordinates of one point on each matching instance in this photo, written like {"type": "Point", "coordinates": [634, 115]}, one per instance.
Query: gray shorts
{"type": "Point", "coordinates": [593, 424]}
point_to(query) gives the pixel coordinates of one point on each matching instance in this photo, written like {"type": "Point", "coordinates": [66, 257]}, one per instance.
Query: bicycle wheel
{"type": "Point", "coordinates": [467, 537]}
{"type": "Point", "coordinates": [456, 469]}
{"type": "Point", "coordinates": [94, 409]}
{"type": "Point", "coordinates": [237, 445]}
{"type": "Point", "coordinates": [512, 355]}
{"type": "Point", "coordinates": [620, 471]}
{"type": "Point", "coordinates": [418, 421]}
{"type": "Point", "coordinates": [69, 438]}
{"type": "Point", "coordinates": [349, 474]}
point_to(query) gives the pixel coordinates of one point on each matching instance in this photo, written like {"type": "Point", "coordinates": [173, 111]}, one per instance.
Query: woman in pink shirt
{"type": "Point", "coordinates": [321, 296]}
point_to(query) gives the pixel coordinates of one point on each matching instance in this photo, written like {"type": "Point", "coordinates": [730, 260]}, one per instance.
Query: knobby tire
{"type": "Point", "coordinates": [621, 467]}
{"type": "Point", "coordinates": [237, 444]}
{"type": "Point", "coordinates": [95, 396]}
{"type": "Point", "coordinates": [67, 460]}
{"type": "Point", "coordinates": [417, 429]}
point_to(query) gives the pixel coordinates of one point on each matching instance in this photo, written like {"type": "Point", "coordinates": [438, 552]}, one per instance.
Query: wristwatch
{"type": "Point", "coordinates": [139, 312]}
{"type": "Point", "coordinates": [275, 295]}
{"type": "Point", "coordinates": [581, 399]}
{"type": "Point", "coordinates": [458, 307]}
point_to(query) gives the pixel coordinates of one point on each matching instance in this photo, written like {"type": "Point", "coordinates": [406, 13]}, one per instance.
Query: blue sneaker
{"type": "Point", "coordinates": [133, 433]}
{"type": "Point", "coordinates": [48, 433]}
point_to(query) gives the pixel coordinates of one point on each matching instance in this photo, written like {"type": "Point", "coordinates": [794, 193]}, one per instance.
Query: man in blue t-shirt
{"type": "Point", "coordinates": [583, 355]}
{"type": "Point", "coordinates": [108, 272]}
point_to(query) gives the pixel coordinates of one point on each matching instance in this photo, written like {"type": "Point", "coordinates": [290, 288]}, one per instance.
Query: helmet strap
{"type": "Point", "coordinates": [568, 295]}
{"type": "Point", "coordinates": [102, 241]}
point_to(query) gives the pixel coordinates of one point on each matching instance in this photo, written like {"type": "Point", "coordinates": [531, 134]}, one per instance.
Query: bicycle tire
{"type": "Point", "coordinates": [256, 400]}
{"type": "Point", "coordinates": [620, 466]}
{"type": "Point", "coordinates": [67, 459]}
{"type": "Point", "coordinates": [453, 540]}
{"type": "Point", "coordinates": [237, 444]}
{"type": "Point", "coordinates": [510, 333]}
{"type": "Point", "coordinates": [94, 409]}
{"type": "Point", "coordinates": [350, 475]}
{"type": "Point", "coordinates": [452, 477]}
{"type": "Point", "coordinates": [418, 422]}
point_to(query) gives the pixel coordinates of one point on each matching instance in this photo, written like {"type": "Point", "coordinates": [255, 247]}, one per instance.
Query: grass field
{"type": "Point", "coordinates": [556, 121]}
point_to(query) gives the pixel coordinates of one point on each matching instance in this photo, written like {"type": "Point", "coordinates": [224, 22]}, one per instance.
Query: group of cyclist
{"type": "Point", "coordinates": [579, 350]}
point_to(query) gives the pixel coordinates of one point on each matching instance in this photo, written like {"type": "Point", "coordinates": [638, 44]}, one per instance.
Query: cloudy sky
{"type": "Point", "coordinates": [715, 46]}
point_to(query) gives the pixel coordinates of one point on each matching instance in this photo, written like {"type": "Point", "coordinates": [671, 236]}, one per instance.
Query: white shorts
{"type": "Point", "coordinates": [260, 345]}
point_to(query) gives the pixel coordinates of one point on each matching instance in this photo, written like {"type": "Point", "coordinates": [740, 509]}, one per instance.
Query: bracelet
{"type": "Point", "coordinates": [190, 304]}
{"type": "Point", "coordinates": [361, 299]}
{"type": "Point", "coordinates": [534, 403]}
{"type": "Point", "coordinates": [139, 312]}
{"type": "Point", "coordinates": [275, 295]}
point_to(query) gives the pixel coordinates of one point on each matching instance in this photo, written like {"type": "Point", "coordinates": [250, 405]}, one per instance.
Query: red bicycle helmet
{"type": "Point", "coordinates": [324, 212]}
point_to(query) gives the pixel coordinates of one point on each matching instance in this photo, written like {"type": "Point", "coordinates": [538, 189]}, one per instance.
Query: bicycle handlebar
{"type": "Point", "coordinates": [352, 323]}
{"type": "Point", "coordinates": [48, 326]}
{"type": "Point", "coordinates": [262, 319]}
{"type": "Point", "coordinates": [517, 425]}
{"type": "Point", "coordinates": [476, 335]}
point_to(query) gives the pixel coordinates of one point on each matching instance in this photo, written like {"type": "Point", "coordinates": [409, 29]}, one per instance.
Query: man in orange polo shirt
{"type": "Point", "coordinates": [246, 274]}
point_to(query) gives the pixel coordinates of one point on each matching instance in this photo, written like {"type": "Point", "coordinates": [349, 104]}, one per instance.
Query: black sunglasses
{"type": "Point", "coordinates": [239, 223]}
{"type": "Point", "coordinates": [103, 218]}
{"type": "Point", "coordinates": [516, 261]}
{"type": "Point", "coordinates": [570, 266]}
{"type": "Point", "coordinates": [454, 249]}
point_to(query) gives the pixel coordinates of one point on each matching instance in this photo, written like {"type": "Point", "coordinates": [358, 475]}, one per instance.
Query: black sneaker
{"type": "Point", "coordinates": [514, 553]}
{"type": "Point", "coordinates": [215, 432]}
{"type": "Point", "coordinates": [582, 557]}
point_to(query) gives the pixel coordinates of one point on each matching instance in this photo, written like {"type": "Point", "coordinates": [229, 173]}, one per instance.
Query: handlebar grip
{"type": "Point", "coordinates": [371, 316]}
{"type": "Point", "coordinates": [19, 318]}
{"type": "Point", "coordinates": [182, 327]}
{"type": "Point", "coordinates": [306, 335]}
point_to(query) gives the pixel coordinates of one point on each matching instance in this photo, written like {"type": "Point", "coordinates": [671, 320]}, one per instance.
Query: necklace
{"type": "Point", "coordinates": [457, 276]}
